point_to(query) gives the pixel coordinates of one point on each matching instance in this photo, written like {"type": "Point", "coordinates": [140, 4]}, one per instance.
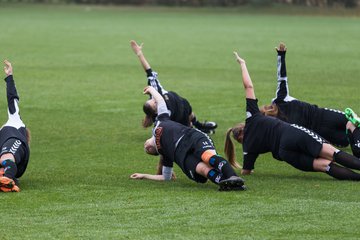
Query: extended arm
{"type": "Point", "coordinates": [147, 176]}
{"type": "Point", "coordinates": [248, 86]}
{"type": "Point", "coordinates": [282, 90]}
{"type": "Point", "coordinates": [12, 98]}
{"type": "Point", "coordinates": [151, 75]}
{"type": "Point", "coordinates": [138, 51]}
{"type": "Point", "coordinates": [166, 175]}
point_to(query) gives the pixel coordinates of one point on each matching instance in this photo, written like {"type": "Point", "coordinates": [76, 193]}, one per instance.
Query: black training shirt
{"type": "Point", "coordinates": [261, 134]}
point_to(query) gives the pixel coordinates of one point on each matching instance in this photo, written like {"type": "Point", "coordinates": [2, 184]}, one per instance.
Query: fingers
{"type": "Point", "coordinates": [136, 176]}
{"type": "Point", "coordinates": [238, 58]}
{"type": "Point", "coordinates": [146, 89]}
{"type": "Point", "coordinates": [7, 63]}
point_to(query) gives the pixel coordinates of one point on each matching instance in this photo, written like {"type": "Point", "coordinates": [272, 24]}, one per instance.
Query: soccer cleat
{"type": "Point", "coordinates": [8, 185]}
{"type": "Point", "coordinates": [234, 183]}
{"type": "Point", "coordinates": [352, 117]}
{"type": "Point", "coordinates": [206, 127]}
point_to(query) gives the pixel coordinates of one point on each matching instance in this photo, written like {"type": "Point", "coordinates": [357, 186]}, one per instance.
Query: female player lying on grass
{"type": "Point", "coordinates": [14, 139]}
{"type": "Point", "coordinates": [294, 144]}
{"type": "Point", "coordinates": [333, 125]}
{"type": "Point", "coordinates": [191, 149]}
{"type": "Point", "coordinates": [180, 109]}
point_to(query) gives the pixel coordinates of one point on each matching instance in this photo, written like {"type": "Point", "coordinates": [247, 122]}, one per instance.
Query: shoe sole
{"type": "Point", "coordinates": [232, 185]}
{"type": "Point", "coordinates": [352, 117]}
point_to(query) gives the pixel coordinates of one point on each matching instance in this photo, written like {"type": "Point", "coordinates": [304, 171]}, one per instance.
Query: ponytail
{"type": "Point", "coordinates": [230, 150]}
{"type": "Point", "coordinates": [149, 115]}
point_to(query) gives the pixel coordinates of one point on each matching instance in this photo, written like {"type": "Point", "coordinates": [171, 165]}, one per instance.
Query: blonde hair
{"type": "Point", "coordinates": [271, 110]}
{"type": "Point", "coordinates": [238, 134]}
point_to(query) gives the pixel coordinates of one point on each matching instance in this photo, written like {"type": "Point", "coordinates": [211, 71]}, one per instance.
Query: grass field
{"type": "Point", "coordinates": [81, 95]}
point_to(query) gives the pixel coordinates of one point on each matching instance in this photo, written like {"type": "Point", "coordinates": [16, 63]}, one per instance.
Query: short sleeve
{"type": "Point", "coordinates": [167, 162]}
{"type": "Point", "coordinates": [251, 107]}
{"type": "Point", "coordinates": [249, 160]}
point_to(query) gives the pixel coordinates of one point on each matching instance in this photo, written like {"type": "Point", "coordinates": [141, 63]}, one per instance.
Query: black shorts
{"type": "Point", "coordinates": [299, 147]}
{"type": "Point", "coordinates": [189, 168]}
{"type": "Point", "coordinates": [332, 127]}
{"type": "Point", "coordinates": [194, 142]}
{"type": "Point", "coordinates": [16, 148]}
{"type": "Point", "coordinates": [188, 152]}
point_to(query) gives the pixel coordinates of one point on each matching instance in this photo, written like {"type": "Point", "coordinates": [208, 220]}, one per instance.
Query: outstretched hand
{"type": "Point", "coordinates": [136, 47]}
{"type": "Point", "coordinates": [238, 58]}
{"type": "Point", "coordinates": [8, 68]}
{"type": "Point", "coordinates": [137, 176]}
{"type": "Point", "coordinates": [281, 47]}
{"type": "Point", "coordinates": [149, 90]}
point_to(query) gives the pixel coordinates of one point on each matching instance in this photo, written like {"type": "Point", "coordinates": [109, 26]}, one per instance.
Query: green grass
{"type": "Point", "coordinates": [81, 95]}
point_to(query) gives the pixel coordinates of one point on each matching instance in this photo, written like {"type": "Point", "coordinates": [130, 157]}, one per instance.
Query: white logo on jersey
{"type": "Point", "coordinates": [248, 115]}
{"type": "Point", "coordinates": [245, 153]}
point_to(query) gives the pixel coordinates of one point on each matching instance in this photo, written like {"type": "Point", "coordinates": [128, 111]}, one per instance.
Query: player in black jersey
{"type": "Point", "coordinates": [294, 144]}
{"type": "Point", "coordinates": [191, 149]}
{"type": "Point", "coordinates": [180, 108]}
{"type": "Point", "coordinates": [330, 124]}
{"type": "Point", "coordinates": [14, 139]}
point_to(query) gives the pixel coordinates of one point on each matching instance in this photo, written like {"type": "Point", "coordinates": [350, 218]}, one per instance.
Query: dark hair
{"type": "Point", "coordinates": [28, 136]}
{"type": "Point", "coordinates": [150, 115]}
{"type": "Point", "coordinates": [238, 134]}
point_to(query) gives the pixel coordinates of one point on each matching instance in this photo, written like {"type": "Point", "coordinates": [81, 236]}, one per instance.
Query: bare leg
{"type": "Point", "coordinates": [328, 151]}
{"type": "Point", "coordinates": [203, 169]}
{"type": "Point", "coordinates": [321, 164]}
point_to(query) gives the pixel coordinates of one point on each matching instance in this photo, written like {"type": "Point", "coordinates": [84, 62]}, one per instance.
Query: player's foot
{"type": "Point", "coordinates": [8, 185]}
{"type": "Point", "coordinates": [207, 125]}
{"type": "Point", "coordinates": [234, 183]}
{"type": "Point", "coordinates": [352, 117]}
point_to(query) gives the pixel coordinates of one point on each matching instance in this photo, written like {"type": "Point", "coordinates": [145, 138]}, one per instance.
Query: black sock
{"type": "Point", "coordinates": [215, 176]}
{"type": "Point", "coordinates": [354, 140]}
{"type": "Point", "coordinates": [342, 173]}
{"type": "Point", "coordinates": [347, 160]}
{"type": "Point", "coordinates": [10, 168]}
{"type": "Point", "coordinates": [222, 165]}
